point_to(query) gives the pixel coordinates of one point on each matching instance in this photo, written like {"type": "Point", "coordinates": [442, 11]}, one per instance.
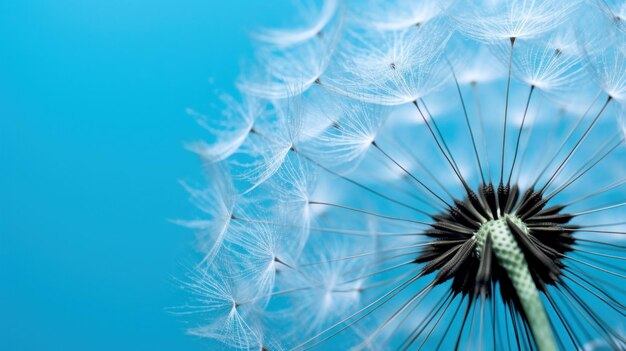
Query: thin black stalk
{"type": "Point", "coordinates": [467, 122]}
{"type": "Point", "coordinates": [519, 133]}
{"type": "Point", "coordinates": [577, 145]}
{"type": "Point", "coordinates": [506, 109]}
{"type": "Point", "coordinates": [467, 188]}
{"type": "Point", "coordinates": [481, 122]}
{"type": "Point", "coordinates": [368, 212]}
{"type": "Point", "coordinates": [409, 173]}
{"type": "Point", "coordinates": [565, 140]}
{"type": "Point", "coordinates": [364, 187]}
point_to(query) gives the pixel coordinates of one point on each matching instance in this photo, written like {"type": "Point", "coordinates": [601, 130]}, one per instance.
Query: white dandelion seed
{"type": "Point", "coordinates": [389, 68]}
{"type": "Point", "coordinates": [275, 136]}
{"type": "Point", "coordinates": [311, 22]}
{"type": "Point", "coordinates": [396, 15]}
{"type": "Point", "coordinates": [329, 293]}
{"type": "Point", "coordinates": [473, 63]}
{"type": "Point", "coordinates": [217, 202]}
{"type": "Point", "coordinates": [260, 250]}
{"type": "Point", "coordinates": [547, 69]}
{"type": "Point", "coordinates": [285, 72]}
{"type": "Point", "coordinates": [231, 322]}
{"type": "Point", "coordinates": [608, 67]}
{"type": "Point", "coordinates": [230, 130]}
{"type": "Point", "coordinates": [349, 138]}
{"type": "Point", "coordinates": [615, 12]}
{"type": "Point", "coordinates": [491, 21]}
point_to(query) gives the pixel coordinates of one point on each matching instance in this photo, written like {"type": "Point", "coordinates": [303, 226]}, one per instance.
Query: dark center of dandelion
{"type": "Point", "coordinates": [470, 238]}
{"type": "Point", "coordinates": [499, 238]}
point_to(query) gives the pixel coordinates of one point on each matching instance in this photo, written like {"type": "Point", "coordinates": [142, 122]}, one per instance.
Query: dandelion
{"type": "Point", "coordinates": [419, 175]}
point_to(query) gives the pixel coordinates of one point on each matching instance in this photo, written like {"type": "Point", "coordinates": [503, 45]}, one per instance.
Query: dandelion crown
{"type": "Point", "coordinates": [406, 175]}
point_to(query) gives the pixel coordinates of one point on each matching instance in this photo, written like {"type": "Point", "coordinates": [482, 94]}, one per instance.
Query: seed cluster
{"type": "Point", "coordinates": [404, 174]}
{"type": "Point", "coordinates": [464, 253]}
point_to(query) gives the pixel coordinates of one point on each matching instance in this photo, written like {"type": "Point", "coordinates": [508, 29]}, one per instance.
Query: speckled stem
{"type": "Point", "coordinates": [511, 258]}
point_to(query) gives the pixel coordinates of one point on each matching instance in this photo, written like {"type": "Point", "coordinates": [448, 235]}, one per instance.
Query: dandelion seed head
{"type": "Point", "coordinates": [418, 175]}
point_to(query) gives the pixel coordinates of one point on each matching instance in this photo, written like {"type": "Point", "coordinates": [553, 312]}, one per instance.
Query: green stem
{"type": "Point", "coordinates": [511, 258]}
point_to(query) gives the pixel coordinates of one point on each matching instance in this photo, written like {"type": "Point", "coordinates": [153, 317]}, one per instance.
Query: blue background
{"type": "Point", "coordinates": [92, 123]}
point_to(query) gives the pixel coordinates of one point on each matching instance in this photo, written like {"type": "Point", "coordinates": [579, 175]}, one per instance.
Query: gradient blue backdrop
{"type": "Point", "coordinates": [92, 122]}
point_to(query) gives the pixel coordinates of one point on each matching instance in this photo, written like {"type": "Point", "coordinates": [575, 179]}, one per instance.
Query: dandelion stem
{"type": "Point", "coordinates": [512, 259]}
